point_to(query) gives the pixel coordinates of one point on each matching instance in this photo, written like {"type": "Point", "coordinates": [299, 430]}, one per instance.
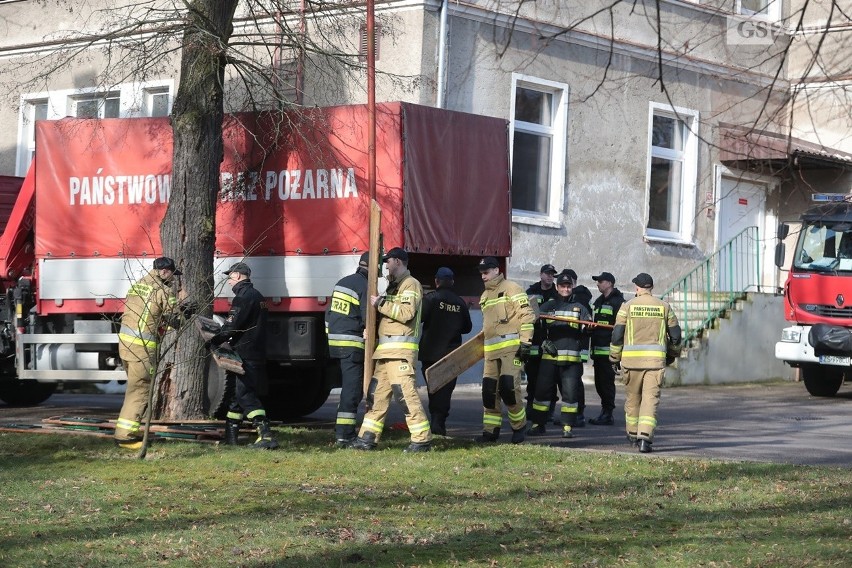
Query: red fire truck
{"type": "Point", "coordinates": [818, 296]}
{"type": "Point", "coordinates": [293, 202]}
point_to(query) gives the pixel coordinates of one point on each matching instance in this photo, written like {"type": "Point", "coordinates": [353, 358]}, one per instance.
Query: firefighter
{"type": "Point", "coordinates": [445, 319]}
{"type": "Point", "coordinates": [507, 323]}
{"type": "Point", "coordinates": [605, 308]}
{"type": "Point", "coordinates": [345, 320]}
{"type": "Point", "coordinates": [396, 358]}
{"type": "Point", "coordinates": [583, 295]}
{"type": "Point", "coordinates": [538, 293]}
{"type": "Point", "coordinates": [645, 339]}
{"type": "Point", "coordinates": [244, 330]}
{"type": "Point", "coordinates": [561, 359]}
{"type": "Point", "coordinates": [150, 308]}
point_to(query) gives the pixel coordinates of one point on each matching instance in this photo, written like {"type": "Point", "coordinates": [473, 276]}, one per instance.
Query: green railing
{"type": "Point", "coordinates": [710, 289]}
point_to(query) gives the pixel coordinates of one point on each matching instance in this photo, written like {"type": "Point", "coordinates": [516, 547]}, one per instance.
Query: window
{"type": "Point", "coordinates": [33, 110]}
{"type": "Point", "coordinates": [768, 8]}
{"type": "Point", "coordinates": [538, 134]}
{"type": "Point", "coordinates": [95, 106]}
{"type": "Point", "coordinates": [157, 102]}
{"type": "Point", "coordinates": [672, 173]}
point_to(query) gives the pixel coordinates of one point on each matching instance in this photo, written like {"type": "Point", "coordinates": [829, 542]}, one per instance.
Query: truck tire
{"type": "Point", "coordinates": [220, 389]}
{"type": "Point", "coordinates": [822, 380]}
{"type": "Point", "coordinates": [15, 392]}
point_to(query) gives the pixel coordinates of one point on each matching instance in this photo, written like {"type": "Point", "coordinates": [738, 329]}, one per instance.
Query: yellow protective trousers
{"type": "Point", "coordinates": [643, 398]}
{"type": "Point", "coordinates": [395, 377]}
{"type": "Point", "coordinates": [140, 372]}
{"type": "Point", "coordinates": [501, 384]}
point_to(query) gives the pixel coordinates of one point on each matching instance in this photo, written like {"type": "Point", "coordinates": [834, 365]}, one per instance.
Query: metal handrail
{"type": "Point", "coordinates": [711, 288]}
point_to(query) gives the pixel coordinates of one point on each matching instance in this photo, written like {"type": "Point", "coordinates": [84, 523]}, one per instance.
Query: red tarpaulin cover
{"type": "Point", "coordinates": [290, 184]}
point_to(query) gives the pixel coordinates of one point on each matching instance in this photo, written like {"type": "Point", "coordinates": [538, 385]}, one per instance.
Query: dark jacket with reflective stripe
{"type": "Point", "coordinates": [445, 319]}
{"type": "Point", "coordinates": [346, 315]}
{"type": "Point", "coordinates": [245, 327]}
{"type": "Point", "coordinates": [537, 297]}
{"type": "Point", "coordinates": [646, 329]}
{"type": "Point", "coordinates": [570, 338]}
{"type": "Point", "coordinates": [605, 310]}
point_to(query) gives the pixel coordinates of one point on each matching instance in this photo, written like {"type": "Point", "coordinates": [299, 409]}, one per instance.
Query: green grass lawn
{"type": "Point", "coordinates": [76, 501]}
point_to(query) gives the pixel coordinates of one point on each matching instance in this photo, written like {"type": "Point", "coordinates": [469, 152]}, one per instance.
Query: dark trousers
{"type": "Point", "coordinates": [605, 384]}
{"type": "Point", "coordinates": [249, 386]}
{"type": "Point", "coordinates": [439, 402]}
{"type": "Point", "coordinates": [569, 379]}
{"type": "Point", "coordinates": [531, 368]}
{"type": "Point", "coordinates": [351, 393]}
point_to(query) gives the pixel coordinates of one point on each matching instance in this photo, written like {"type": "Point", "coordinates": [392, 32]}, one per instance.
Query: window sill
{"type": "Point", "coordinates": [536, 221]}
{"type": "Point", "coordinates": [653, 239]}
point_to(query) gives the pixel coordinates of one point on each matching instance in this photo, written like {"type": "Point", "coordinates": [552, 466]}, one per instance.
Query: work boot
{"type": "Point", "coordinates": [438, 425]}
{"type": "Point", "coordinates": [519, 435]}
{"type": "Point", "coordinates": [632, 440]}
{"type": "Point", "coordinates": [604, 419]}
{"type": "Point", "coordinates": [232, 432]}
{"type": "Point", "coordinates": [645, 446]}
{"type": "Point", "coordinates": [342, 442]}
{"type": "Point", "coordinates": [536, 430]}
{"type": "Point", "coordinates": [415, 447]}
{"type": "Point", "coordinates": [265, 440]}
{"type": "Point", "coordinates": [129, 443]}
{"type": "Point", "coordinates": [580, 421]}
{"type": "Point", "coordinates": [365, 443]}
{"type": "Point", "coordinates": [567, 432]}
{"type": "Point", "coordinates": [488, 437]}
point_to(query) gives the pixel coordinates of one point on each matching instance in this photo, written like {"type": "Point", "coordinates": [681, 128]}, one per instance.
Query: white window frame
{"type": "Point", "coordinates": [133, 102]}
{"type": "Point", "coordinates": [771, 13]}
{"type": "Point", "coordinates": [688, 158]}
{"type": "Point", "coordinates": [99, 97]}
{"type": "Point", "coordinates": [558, 134]}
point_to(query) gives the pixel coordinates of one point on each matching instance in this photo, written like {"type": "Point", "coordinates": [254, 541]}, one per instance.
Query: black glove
{"type": "Point", "coordinates": [549, 348]}
{"type": "Point", "coordinates": [616, 367]}
{"type": "Point", "coordinates": [218, 340]}
{"type": "Point", "coordinates": [188, 307]}
{"type": "Point", "coordinates": [670, 359]}
{"type": "Point", "coordinates": [523, 352]}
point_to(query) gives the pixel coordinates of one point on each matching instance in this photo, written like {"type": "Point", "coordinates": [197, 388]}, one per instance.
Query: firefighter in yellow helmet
{"type": "Point", "coordinates": [396, 358]}
{"type": "Point", "coordinates": [507, 323]}
{"type": "Point", "coordinates": [149, 309]}
{"type": "Point", "coordinates": [645, 339]}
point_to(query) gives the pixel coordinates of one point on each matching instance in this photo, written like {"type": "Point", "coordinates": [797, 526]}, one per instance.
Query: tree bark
{"type": "Point", "coordinates": [188, 231]}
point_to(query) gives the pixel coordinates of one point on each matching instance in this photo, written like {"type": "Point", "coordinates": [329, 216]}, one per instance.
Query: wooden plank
{"type": "Point", "coordinates": [372, 289]}
{"type": "Point", "coordinates": [456, 362]}
{"type": "Point", "coordinates": [572, 320]}
{"type": "Point", "coordinates": [227, 359]}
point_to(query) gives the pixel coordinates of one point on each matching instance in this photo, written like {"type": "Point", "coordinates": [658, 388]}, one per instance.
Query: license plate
{"type": "Point", "coordinates": [834, 360]}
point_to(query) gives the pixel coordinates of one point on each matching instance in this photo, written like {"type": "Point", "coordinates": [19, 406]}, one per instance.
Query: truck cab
{"type": "Point", "coordinates": [818, 297]}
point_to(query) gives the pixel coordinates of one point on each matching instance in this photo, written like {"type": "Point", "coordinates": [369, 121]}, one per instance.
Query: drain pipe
{"type": "Point", "coordinates": [442, 53]}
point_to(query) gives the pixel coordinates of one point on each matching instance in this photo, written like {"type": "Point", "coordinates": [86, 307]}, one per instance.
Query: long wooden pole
{"type": "Point", "coordinates": [375, 210]}
{"type": "Point", "coordinates": [572, 320]}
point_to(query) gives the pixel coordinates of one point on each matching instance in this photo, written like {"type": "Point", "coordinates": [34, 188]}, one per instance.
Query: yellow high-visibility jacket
{"type": "Point", "coordinates": [646, 330]}
{"type": "Point", "coordinates": [507, 318]}
{"type": "Point", "coordinates": [149, 308]}
{"type": "Point", "coordinates": [399, 319]}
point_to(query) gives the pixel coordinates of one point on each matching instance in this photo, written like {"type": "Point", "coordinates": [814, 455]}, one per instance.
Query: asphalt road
{"type": "Point", "coordinates": [777, 423]}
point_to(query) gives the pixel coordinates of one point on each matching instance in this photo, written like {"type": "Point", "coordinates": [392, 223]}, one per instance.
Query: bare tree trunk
{"type": "Point", "coordinates": [188, 231]}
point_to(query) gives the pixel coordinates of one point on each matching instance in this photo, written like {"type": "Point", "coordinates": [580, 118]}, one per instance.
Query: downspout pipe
{"type": "Point", "coordinates": [442, 53]}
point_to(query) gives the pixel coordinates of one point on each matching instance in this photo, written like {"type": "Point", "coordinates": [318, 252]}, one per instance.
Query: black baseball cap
{"type": "Point", "coordinates": [565, 278]}
{"type": "Point", "coordinates": [487, 263]}
{"type": "Point", "coordinates": [365, 259]}
{"type": "Point", "coordinates": [549, 269]}
{"type": "Point", "coordinates": [396, 252]}
{"type": "Point", "coordinates": [240, 268]}
{"type": "Point", "coordinates": [444, 273]}
{"type": "Point", "coordinates": [166, 263]}
{"type": "Point", "coordinates": [643, 280]}
{"type": "Point", "coordinates": [604, 276]}
{"type": "Point", "coordinates": [570, 273]}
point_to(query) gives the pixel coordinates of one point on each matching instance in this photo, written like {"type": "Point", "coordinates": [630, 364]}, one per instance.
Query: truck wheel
{"type": "Point", "coordinates": [16, 392]}
{"type": "Point", "coordinates": [821, 380]}
{"type": "Point", "coordinates": [301, 392]}
{"type": "Point", "coordinates": [220, 389]}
